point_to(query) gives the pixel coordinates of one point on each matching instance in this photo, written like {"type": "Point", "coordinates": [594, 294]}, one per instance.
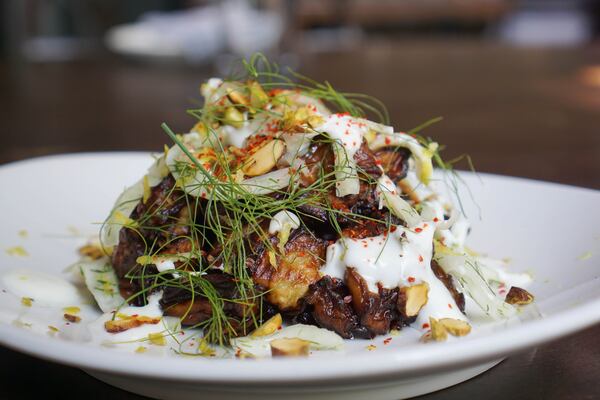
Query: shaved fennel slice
{"type": "Point", "coordinates": [319, 338]}
{"type": "Point", "coordinates": [494, 270]}
{"type": "Point", "coordinates": [421, 155]}
{"type": "Point", "coordinates": [302, 99]}
{"type": "Point", "coordinates": [377, 127]}
{"type": "Point", "coordinates": [101, 280]}
{"type": "Point", "coordinates": [191, 179]}
{"type": "Point", "coordinates": [126, 202]}
{"type": "Point", "coordinates": [123, 207]}
{"type": "Point", "coordinates": [470, 274]}
{"type": "Point", "coordinates": [346, 175]}
{"type": "Point", "coordinates": [389, 195]}
{"type": "Point", "coordinates": [296, 145]}
{"type": "Point", "coordinates": [267, 183]}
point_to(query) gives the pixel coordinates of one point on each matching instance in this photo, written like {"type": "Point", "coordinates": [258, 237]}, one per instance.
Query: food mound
{"type": "Point", "coordinates": [284, 199]}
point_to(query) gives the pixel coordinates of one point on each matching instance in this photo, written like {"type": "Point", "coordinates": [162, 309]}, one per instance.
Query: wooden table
{"type": "Point", "coordinates": [526, 112]}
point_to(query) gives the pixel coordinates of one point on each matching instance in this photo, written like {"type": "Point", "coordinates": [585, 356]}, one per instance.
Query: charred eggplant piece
{"type": "Point", "coordinates": [394, 161]}
{"type": "Point", "coordinates": [446, 279]}
{"type": "Point", "coordinates": [377, 311]}
{"type": "Point", "coordinates": [328, 306]}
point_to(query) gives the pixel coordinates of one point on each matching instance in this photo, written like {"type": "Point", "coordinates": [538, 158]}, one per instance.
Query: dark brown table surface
{"type": "Point", "coordinates": [525, 112]}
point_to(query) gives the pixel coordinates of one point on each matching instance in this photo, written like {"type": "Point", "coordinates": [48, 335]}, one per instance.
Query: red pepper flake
{"type": "Point", "coordinates": [342, 114]}
{"type": "Point", "coordinates": [134, 315]}
{"type": "Point", "coordinates": [501, 291]}
{"type": "Point", "coordinates": [425, 326]}
{"type": "Point", "coordinates": [393, 228]}
{"type": "Point", "coordinates": [279, 328]}
{"type": "Point", "coordinates": [436, 219]}
{"type": "Point", "coordinates": [274, 92]}
{"type": "Point", "coordinates": [388, 141]}
{"type": "Point", "coordinates": [420, 258]}
{"type": "Point", "coordinates": [411, 279]}
{"type": "Point", "coordinates": [387, 340]}
{"type": "Point", "coordinates": [347, 299]}
{"type": "Point", "coordinates": [418, 230]}
{"type": "Point", "coordinates": [449, 306]}
{"type": "Point", "coordinates": [425, 225]}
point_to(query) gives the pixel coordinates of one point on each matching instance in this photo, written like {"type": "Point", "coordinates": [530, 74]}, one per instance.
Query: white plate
{"type": "Point", "coordinates": [550, 230]}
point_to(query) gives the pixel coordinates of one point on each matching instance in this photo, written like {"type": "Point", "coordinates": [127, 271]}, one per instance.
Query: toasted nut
{"type": "Point", "coordinates": [237, 97]}
{"type": "Point", "coordinates": [438, 330]}
{"type": "Point", "coordinates": [233, 117]}
{"type": "Point", "coordinates": [264, 159]}
{"type": "Point", "coordinates": [456, 327]}
{"type": "Point", "coordinates": [92, 251]}
{"type": "Point", "coordinates": [289, 347]}
{"type": "Point", "coordinates": [416, 297]}
{"type": "Point", "coordinates": [258, 97]}
{"type": "Point", "coordinates": [121, 325]}
{"type": "Point", "coordinates": [269, 327]}
{"type": "Point", "coordinates": [409, 191]}
{"type": "Point", "coordinates": [518, 296]}
{"type": "Point", "coordinates": [200, 128]}
{"type": "Point", "coordinates": [72, 318]}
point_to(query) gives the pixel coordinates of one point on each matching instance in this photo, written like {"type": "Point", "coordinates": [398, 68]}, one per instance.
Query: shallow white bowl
{"type": "Point", "coordinates": [550, 230]}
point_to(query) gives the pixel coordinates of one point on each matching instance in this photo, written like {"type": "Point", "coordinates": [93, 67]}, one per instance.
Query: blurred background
{"type": "Point", "coordinates": [517, 82]}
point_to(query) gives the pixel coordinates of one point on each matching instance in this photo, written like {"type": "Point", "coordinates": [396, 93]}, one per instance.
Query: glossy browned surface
{"type": "Point", "coordinates": [521, 112]}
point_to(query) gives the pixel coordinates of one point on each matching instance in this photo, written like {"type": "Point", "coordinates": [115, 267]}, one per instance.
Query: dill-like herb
{"type": "Point", "coordinates": [230, 213]}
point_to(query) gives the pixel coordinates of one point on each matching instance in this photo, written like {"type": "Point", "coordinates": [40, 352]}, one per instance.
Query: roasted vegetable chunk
{"type": "Point", "coordinates": [287, 281]}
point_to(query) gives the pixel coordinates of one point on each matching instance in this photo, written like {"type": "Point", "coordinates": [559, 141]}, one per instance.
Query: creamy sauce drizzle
{"type": "Point", "coordinates": [283, 219]}
{"type": "Point", "coordinates": [401, 258]}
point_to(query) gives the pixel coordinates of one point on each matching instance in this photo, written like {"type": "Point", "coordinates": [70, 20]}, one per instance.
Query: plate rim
{"type": "Point", "coordinates": [374, 365]}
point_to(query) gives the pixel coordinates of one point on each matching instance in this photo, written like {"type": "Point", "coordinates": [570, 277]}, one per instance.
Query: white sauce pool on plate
{"type": "Point", "coordinates": [134, 337]}
{"type": "Point", "coordinates": [44, 289]}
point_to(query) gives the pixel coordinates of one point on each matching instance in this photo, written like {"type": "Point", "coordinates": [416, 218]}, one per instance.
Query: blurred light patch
{"type": "Point", "coordinates": [547, 28]}
{"type": "Point", "coordinates": [590, 76]}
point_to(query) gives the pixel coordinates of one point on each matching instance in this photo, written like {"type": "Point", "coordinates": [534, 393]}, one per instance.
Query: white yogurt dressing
{"type": "Point", "coordinates": [456, 236]}
{"type": "Point", "coordinates": [402, 258]}
{"type": "Point", "coordinates": [283, 219]}
{"type": "Point", "coordinates": [348, 133]}
{"type": "Point", "coordinates": [210, 90]}
{"type": "Point", "coordinates": [138, 336]}
{"type": "Point", "coordinates": [346, 130]}
{"type": "Point", "coordinates": [44, 289]}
